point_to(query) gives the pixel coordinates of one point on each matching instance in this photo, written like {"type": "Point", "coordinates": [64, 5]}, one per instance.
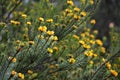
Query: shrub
{"type": "Point", "coordinates": [54, 43]}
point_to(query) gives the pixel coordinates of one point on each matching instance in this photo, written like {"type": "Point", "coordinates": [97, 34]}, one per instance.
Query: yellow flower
{"type": "Point", "coordinates": [94, 55]}
{"type": "Point", "coordinates": [24, 15]}
{"type": "Point", "coordinates": [70, 14]}
{"type": "Point", "coordinates": [81, 42]}
{"type": "Point", "coordinates": [22, 44]}
{"type": "Point", "coordinates": [14, 60]}
{"type": "Point", "coordinates": [91, 62]}
{"type": "Point", "coordinates": [114, 73]}
{"type": "Point", "coordinates": [83, 14]}
{"type": "Point", "coordinates": [49, 20]}
{"type": "Point", "coordinates": [82, 35]}
{"type": "Point", "coordinates": [75, 36]}
{"type": "Point", "coordinates": [18, 41]}
{"type": "Point", "coordinates": [28, 23]}
{"type": "Point", "coordinates": [42, 28]}
{"type": "Point", "coordinates": [103, 49]}
{"type": "Point", "coordinates": [50, 50]}
{"type": "Point", "coordinates": [76, 17]}
{"type": "Point", "coordinates": [68, 10]}
{"type": "Point", "coordinates": [99, 42]}
{"type": "Point", "coordinates": [92, 42]}
{"type": "Point", "coordinates": [89, 53]}
{"type": "Point", "coordinates": [72, 60]}
{"type": "Point", "coordinates": [92, 36]}
{"type": "Point", "coordinates": [86, 46]}
{"type": "Point", "coordinates": [30, 72]}
{"type": "Point", "coordinates": [41, 19]}
{"type": "Point", "coordinates": [31, 42]}
{"type": "Point", "coordinates": [20, 75]}
{"type": "Point", "coordinates": [55, 48]}
{"type": "Point", "coordinates": [50, 32]}
{"type": "Point", "coordinates": [103, 59]}
{"type": "Point", "coordinates": [76, 9]}
{"type": "Point", "coordinates": [108, 65]}
{"type": "Point", "coordinates": [95, 31]}
{"type": "Point", "coordinates": [93, 21]}
{"type": "Point", "coordinates": [15, 22]}
{"type": "Point", "coordinates": [13, 73]}
{"type": "Point", "coordinates": [70, 3]}
{"type": "Point", "coordinates": [91, 2]}
{"type": "Point", "coordinates": [55, 38]}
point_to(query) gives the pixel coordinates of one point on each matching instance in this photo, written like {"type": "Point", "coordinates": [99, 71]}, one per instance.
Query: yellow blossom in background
{"type": "Point", "coordinates": [114, 73]}
{"type": "Point", "coordinates": [70, 14]}
{"type": "Point", "coordinates": [69, 2]}
{"type": "Point", "coordinates": [41, 19]}
{"type": "Point", "coordinates": [55, 38]}
{"type": "Point", "coordinates": [50, 50]}
{"type": "Point", "coordinates": [11, 58]}
{"type": "Point", "coordinates": [14, 60]}
{"type": "Point", "coordinates": [55, 48]}
{"type": "Point", "coordinates": [95, 55]}
{"type": "Point", "coordinates": [92, 36]}
{"type": "Point", "coordinates": [91, 1]}
{"type": "Point", "coordinates": [95, 31]}
{"type": "Point", "coordinates": [49, 20]}
{"type": "Point", "coordinates": [91, 62]}
{"type": "Point", "coordinates": [30, 72]}
{"type": "Point", "coordinates": [68, 10]}
{"type": "Point", "coordinates": [42, 28]}
{"type": "Point", "coordinates": [81, 42]}
{"type": "Point", "coordinates": [103, 59]}
{"type": "Point", "coordinates": [86, 46]}
{"type": "Point", "coordinates": [50, 32]}
{"type": "Point", "coordinates": [18, 41]}
{"type": "Point", "coordinates": [93, 21]}
{"type": "Point", "coordinates": [3, 24]}
{"type": "Point", "coordinates": [20, 75]}
{"type": "Point", "coordinates": [15, 22]}
{"type": "Point", "coordinates": [31, 42]}
{"type": "Point", "coordinates": [89, 53]}
{"type": "Point", "coordinates": [92, 41]}
{"type": "Point", "coordinates": [76, 9]}
{"type": "Point", "coordinates": [75, 36]}
{"type": "Point", "coordinates": [23, 15]}
{"type": "Point", "coordinates": [13, 73]}
{"type": "Point", "coordinates": [99, 42]}
{"type": "Point", "coordinates": [83, 14]}
{"type": "Point", "coordinates": [76, 17]}
{"type": "Point", "coordinates": [82, 35]}
{"type": "Point", "coordinates": [22, 44]}
{"type": "Point", "coordinates": [72, 60]}
{"type": "Point", "coordinates": [103, 50]}
{"type": "Point", "coordinates": [28, 23]}
{"type": "Point", "coordinates": [108, 65]}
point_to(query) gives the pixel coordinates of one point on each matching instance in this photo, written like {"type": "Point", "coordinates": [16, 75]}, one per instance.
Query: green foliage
{"type": "Point", "coordinates": [40, 42]}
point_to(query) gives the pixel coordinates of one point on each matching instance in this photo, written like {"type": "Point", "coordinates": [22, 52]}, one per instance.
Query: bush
{"type": "Point", "coordinates": [48, 41]}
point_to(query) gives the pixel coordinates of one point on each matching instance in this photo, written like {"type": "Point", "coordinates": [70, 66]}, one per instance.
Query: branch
{"type": "Point", "coordinates": [7, 18]}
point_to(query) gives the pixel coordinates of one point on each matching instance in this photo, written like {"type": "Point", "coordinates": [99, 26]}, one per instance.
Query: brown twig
{"type": "Point", "coordinates": [8, 16]}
